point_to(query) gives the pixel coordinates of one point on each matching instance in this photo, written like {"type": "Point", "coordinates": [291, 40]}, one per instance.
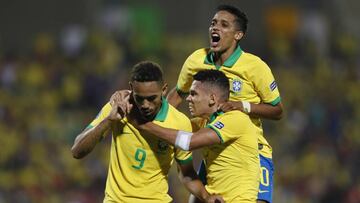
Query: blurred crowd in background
{"type": "Point", "coordinates": [50, 93]}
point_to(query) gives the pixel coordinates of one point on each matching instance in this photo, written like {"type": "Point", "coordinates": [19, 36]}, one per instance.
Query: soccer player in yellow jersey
{"type": "Point", "coordinates": [253, 89]}
{"type": "Point", "coordinates": [140, 162]}
{"type": "Point", "coordinates": [229, 141]}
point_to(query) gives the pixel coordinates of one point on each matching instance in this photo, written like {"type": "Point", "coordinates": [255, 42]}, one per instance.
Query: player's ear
{"type": "Point", "coordinates": [212, 100]}
{"type": "Point", "coordinates": [164, 89]}
{"type": "Point", "coordinates": [239, 35]}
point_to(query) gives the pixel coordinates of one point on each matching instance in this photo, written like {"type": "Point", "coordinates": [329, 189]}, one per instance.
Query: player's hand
{"type": "Point", "coordinates": [122, 96]}
{"type": "Point", "coordinates": [120, 107]}
{"type": "Point", "coordinates": [214, 199]}
{"type": "Point", "coordinates": [231, 105]}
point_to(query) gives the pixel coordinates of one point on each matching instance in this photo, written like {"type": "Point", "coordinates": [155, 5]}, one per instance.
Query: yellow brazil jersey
{"type": "Point", "coordinates": [250, 80]}
{"type": "Point", "coordinates": [139, 163]}
{"type": "Point", "coordinates": [235, 158]}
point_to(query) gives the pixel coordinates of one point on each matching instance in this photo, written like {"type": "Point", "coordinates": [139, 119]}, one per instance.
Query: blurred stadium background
{"type": "Point", "coordinates": [61, 60]}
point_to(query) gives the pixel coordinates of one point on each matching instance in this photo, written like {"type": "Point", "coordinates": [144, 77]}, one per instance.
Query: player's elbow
{"type": "Point", "coordinates": [174, 97]}
{"type": "Point", "coordinates": [278, 116]}
{"type": "Point", "coordinates": [76, 153]}
{"type": "Point", "coordinates": [278, 113]}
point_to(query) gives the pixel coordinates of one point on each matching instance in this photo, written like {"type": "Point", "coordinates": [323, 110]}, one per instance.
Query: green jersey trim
{"type": "Point", "coordinates": [186, 161]}
{"type": "Point", "coordinates": [210, 58]}
{"type": "Point", "coordinates": [214, 115]}
{"type": "Point", "coordinates": [89, 126]}
{"type": "Point", "coordinates": [276, 101]}
{"type": "Point", "coordinates": [161, 115]}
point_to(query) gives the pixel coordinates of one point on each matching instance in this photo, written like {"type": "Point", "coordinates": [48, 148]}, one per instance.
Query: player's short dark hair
{"type": "Point", "coordinates": [146, 71]}
{"type": "Point", "coordinates": [214, 78]}
{"type": "Point", "coordinates": [241, 18]}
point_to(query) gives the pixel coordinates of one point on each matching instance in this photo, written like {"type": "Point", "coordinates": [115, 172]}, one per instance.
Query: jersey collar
{"type": "Point", "coordinates": [214, 115]}
{"type": "Point", "coordinates": [210, 58]}
{"type": "Point", "coordinates": [161, 115]}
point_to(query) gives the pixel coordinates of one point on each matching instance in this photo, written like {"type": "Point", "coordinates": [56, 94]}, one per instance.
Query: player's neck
{"type": "Point", "coordinates": [221, 57]}
{"type": "Point", "coordinates": [210, 112]}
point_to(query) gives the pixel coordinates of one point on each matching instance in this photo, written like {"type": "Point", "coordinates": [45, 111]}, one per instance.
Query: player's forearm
{"type": "Point", "coordinates": [267, 111]}
{"type": "Point", "coordinates": [196, 188]}
{"type": "Point", "coordinates": [86, 141]}
{"type": "Point", "coordinates": [167, 134]}
{"type": "Point", "coordinates": [191, 181]}
{"type": "Point", "coordinates": [174, 98]}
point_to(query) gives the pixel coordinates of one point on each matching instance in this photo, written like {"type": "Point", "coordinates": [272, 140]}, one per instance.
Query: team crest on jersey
{"type": "Point", "coordinates": [236, 85]}
{"type": "Point", "coordinates": [162, 146]}
{"type": "Point", "coordinates": [219, 125]}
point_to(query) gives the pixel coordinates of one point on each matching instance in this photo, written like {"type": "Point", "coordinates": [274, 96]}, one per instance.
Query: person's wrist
{"type": "Point", "coordinates": [205, 196]}
{"type": "Point", "coordinates": [246, 107]}
{"type": "Point", "coordinates": [108, 119]}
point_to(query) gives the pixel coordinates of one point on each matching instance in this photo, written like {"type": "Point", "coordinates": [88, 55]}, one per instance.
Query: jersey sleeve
{"type": "Point", "coordinates": [227, 125]}
{"type": "Point", "coordinates": [265, 84]}
{"type": "Point", "coordinates": [186, 76]}
{"type": "Point", "coordinates": [184, 157]}
{"type": "Point", "coordinates": [105, 111]}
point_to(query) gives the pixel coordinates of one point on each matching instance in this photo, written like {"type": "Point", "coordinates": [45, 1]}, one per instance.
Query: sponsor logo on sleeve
{"type": "Point", "coordinates": [273, 85]}
{"type": "Point", "coordinates": [219, 125]}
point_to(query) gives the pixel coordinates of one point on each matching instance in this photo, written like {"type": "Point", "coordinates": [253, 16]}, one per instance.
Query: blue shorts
{"type": "Point", "coordinates": [202, 172]}
{"type": "Point", "coordinates": [266, 183]}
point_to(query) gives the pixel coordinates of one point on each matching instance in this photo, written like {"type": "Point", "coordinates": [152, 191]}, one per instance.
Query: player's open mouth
{"type": "Point", "coordinates": [215, 38]}
{"type": "Point", "coordinates": [190, 108]}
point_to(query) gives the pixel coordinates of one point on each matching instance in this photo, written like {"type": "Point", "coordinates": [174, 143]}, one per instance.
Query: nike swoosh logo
{"type": "Point", "coordinates": [263, 191]}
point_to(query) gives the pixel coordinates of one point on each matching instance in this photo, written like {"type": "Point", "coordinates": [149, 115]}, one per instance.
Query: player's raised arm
{"type": "Point", "coordinates": [174, 98]}
{"type": "Point", "coordinates": [85, 142]}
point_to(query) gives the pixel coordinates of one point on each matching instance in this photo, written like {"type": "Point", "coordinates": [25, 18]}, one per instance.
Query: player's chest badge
{"type": "Point", "coordinates": [162, 146]}
{"type": "Point", "coordinates": [236, 86]}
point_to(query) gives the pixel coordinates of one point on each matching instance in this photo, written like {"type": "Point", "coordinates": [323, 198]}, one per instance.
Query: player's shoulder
{"type": "Point", "coordinates": [199, 53]}
{"type": "Point", "coordinates": [250, 58]}
{"type": "Point", "coordinates": [235, 121]}
{"type": "Point", "coordinates": [177, 115]}
{"type": "Point", "coordinates": [235, 116]}
{"type": "Point", "coordinates": [252, 61]}
{"type": "Point", "coordinates": [178, 120]}
{"type": "Point", "coordinates": [196, 59]}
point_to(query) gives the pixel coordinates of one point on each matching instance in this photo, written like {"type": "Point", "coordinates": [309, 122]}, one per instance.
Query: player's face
{"type": "Point", "coordinates": [199, 100]}
{"type": "Point", "coordinates": [147, 97]}
{"type": "Point", "coordinates": [223, 32]}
